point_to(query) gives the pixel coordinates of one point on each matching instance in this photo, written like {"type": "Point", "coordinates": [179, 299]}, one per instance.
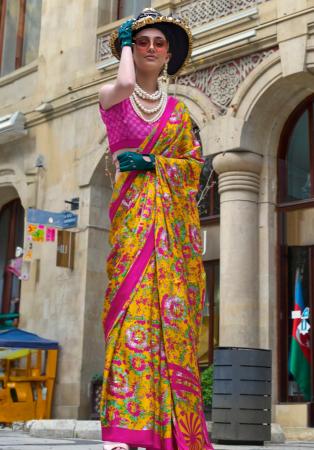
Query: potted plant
{"type": "Point", "coordinates": [207, 390]}
{"type": "Point", "coordinates": [96, 386]}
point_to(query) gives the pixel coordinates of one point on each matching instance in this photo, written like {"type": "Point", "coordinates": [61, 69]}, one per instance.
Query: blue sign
{"type": "Point", "coordinates": [69, 220]}
{"type": "Point", "coordinates": [65, 219]}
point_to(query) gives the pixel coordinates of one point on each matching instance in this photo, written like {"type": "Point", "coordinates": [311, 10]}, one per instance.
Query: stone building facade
{"type": "Point", "coordinates": [250, 89]}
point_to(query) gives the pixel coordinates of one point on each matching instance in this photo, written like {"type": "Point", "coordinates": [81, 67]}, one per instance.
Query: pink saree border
{"type": "Point", "coordinates": [132, 175]}
{"type": "Point", "coordinates": [181, 441]}
{"type": "Point", "coordinates": [182, 387]}
{"type": "Point", "coordinates": [185, 372]}
{"type": "Point", "coordinates": [179, 379]}
{"type": "Point", "coordinates": [177, 384]}
{"type": "Point", "coordinates": [130, 281]}
{"type": "Point", "coordinates": [139, 438]}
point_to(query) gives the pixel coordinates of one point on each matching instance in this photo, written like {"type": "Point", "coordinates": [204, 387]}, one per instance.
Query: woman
{"type": "Point", "coordinates": [151, 393]}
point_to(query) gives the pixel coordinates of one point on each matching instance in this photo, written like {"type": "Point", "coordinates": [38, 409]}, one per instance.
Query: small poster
{"type": "Point", "coordinates": [40, 233]}
{"type": "Point", "coordinates": [28, 252]}
{"type": "Point", "coordinates": [37, 232]}
{"type": "Point", "coordinates": [50, 234]}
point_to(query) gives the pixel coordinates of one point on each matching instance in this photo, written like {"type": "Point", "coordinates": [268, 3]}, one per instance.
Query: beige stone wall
{"type": "Point", "coordinates": [60, 303]}
{"type": "Point", "coordinates": [236, 109]}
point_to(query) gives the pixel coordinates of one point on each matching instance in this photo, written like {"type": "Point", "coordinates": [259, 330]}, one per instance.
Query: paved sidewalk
{"type": "Point", "coordinates": [18, 440]}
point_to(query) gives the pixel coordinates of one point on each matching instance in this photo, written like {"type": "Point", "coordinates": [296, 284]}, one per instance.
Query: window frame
{"type": "Point", "coordinates": [307, 104]}
{"type": "Point", "coordinates": [283, 314]}
{"type": "Point", "coordinates": [282, 207]}
{"type": "Point", "coordinates": [209, 267]}
{"type": "Point", "coordinates": [119, 7]}
{"type": "Point", "coordinates": [20, 32]}
{"type": "Point", "coordinates": [212, 218]}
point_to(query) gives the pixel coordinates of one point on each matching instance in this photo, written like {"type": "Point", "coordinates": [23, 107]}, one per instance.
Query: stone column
{"type": "Point", "coordinates": [238, 187]}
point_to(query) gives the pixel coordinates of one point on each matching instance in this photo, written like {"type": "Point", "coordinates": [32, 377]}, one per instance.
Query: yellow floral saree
{"type": "Point", "coordinates": [151, 394]}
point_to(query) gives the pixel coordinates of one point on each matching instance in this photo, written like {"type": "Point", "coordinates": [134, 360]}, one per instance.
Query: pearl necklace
{"type": "Point", "coordinates": [138, 108]}
{"type": "Point", "coordinates": [145, 95]}
{"type": "Point", "coordinates": [148, 110]}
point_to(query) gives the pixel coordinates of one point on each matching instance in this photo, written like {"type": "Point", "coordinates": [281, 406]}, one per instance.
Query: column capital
{"type": "Point", "coordinates": [238, 175]}
{"type": "Point", "coordinates": [237, 161]}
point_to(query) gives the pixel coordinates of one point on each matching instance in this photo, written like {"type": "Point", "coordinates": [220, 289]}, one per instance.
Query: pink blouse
{"type": "Point", "coordinates": [125, 129]}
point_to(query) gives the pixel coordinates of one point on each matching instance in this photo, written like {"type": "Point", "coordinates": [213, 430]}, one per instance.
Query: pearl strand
{"type": "Point", "coordinates": [155, 117]}
{"type": "Point", "coordinates": [145, 95]}
{"type": "Point", "coordinates": [148, 110]}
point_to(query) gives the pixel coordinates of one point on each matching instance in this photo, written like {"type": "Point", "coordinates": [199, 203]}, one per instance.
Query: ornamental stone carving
{"type": "Point", "coordinates": [103, 49]}
{"type": "Point", "coordinates": [224, 83]}
{"type": "Point", "coordinates": [200, 12]}
{"type": "Point", "coordinates": [221, 81]}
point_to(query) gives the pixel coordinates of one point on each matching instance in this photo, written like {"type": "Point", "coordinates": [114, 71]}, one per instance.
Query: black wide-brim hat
{"type": "Point", "coordinates": [177, 32]}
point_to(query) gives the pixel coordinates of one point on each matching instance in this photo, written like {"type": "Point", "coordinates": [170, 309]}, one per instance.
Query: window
{"type": "Point", "coordinates": [296, 157]}
{"type": "Point", "coordinates": [131, 7]}
{"type": "Point", "coordinates": [209, 337]}
{"type": "Point", "coordinates": [11, 234]}
{"type": "Point", "coordinates": [112, 10]}
{"type": "Point", "coordinates": [296, 349]}
{"type": "Point", "coordinates": [19, 33]}
{"type": "Point", "coordinates": [296, 257]}
{"type": "Point", "coordinates": [208, 196]}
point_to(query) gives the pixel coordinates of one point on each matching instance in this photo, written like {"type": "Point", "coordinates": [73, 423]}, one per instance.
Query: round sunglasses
{"type": "Point", "coordinates": [143, 43]}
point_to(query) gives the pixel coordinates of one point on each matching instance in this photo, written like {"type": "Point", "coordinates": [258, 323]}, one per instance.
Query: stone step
{"type": "Point", "coordinates": [299, 434]}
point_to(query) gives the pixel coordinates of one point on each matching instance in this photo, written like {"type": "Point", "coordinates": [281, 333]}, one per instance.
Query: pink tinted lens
{"type": "Point", "coordinates": [143, 43]}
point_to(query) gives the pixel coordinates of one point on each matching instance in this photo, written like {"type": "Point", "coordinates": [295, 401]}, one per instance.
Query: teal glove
{"type": "Point", "coordinates": [134, 161]}
{"type": "Point", "coordinates": [125, 33]}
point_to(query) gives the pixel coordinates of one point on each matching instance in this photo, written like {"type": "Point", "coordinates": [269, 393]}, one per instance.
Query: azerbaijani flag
{"type": "Point", "coordinates": [299, 360]}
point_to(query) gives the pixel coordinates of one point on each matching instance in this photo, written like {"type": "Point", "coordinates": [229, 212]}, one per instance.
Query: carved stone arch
{"type": "Point", "coordinates": [198, 103]}
{"type": "Point", "coordinates": [13, 185]}
{"type": "Point", "coordinates": [264, 102]}
{"type": "Point", "coordinates": [260, 108]}
{"type": "Point", "coordinates": [7, 194]}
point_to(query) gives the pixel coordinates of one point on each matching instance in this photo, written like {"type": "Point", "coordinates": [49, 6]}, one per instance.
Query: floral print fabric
{"type": "Point", "coordinates": [151, 393]}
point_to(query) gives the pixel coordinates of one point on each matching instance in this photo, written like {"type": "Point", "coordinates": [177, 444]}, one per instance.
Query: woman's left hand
{"type": "Point", "coordinates": [129, 161]}
{"type": "Point", "coordinates": [125, 33]}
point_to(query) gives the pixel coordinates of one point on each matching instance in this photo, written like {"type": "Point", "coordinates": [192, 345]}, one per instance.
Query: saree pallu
{"type": "Point", "coordinates": [151, 394]}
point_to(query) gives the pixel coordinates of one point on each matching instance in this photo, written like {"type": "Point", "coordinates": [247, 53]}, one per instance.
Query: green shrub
{"type": "Point", "coordinates": [97, 378]}
{"type": "Point", "coordinates": [207, 386]}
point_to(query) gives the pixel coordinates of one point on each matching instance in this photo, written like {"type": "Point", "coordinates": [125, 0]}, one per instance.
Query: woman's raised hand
{"type": "Point", "coordinates": [129, 161]}
{"type": "Point", "coordinates": [125, 33]}
{"type": "Point", "coordinates": [111, 94]}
